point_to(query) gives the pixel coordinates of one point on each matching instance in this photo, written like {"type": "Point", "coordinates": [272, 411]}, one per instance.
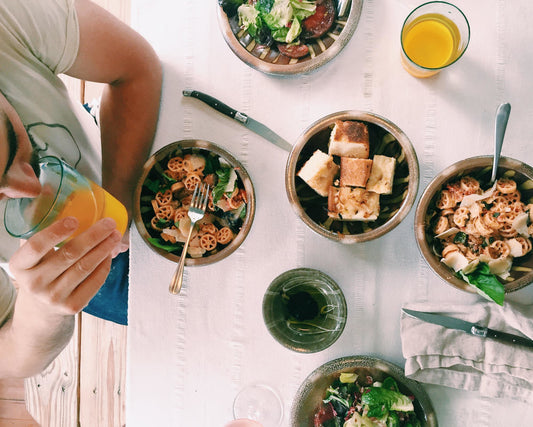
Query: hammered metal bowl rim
{"type": "Point", "coordinates": [436, 183]}
{"type": "Point", "coordinates": [242, 53]}
{"type": "Point", "coordinates": [347, 364]}
{"type": "Point", "coordinates": [241, 172]}
{"type": "Point", "coordinates": [323, 123]}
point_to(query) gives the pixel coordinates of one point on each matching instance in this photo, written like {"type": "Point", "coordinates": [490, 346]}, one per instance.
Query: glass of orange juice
{"type": "Point", "coordinates": [64, 192]}
{"type": "Point", "coordinates": [434, 36]}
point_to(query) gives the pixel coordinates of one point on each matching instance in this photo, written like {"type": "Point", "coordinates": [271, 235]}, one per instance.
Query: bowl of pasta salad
{"type": "Point", "coordinates": [352, 176]}
{"type": "Point", "coordinates": [163, 196]}
{"type": "Point", "coordinates": [360, 390]}
{"type": "Point", "coordinates": [477, 236]}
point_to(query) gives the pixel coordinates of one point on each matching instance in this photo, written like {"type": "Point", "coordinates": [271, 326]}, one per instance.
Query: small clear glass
{"type": "Point", "coordinates": [259, 405]}
{"type": "Point", "coordinates": [434, 36]}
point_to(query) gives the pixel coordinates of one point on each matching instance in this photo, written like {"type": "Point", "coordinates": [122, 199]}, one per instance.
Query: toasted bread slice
{"type": "Point", "coordinates": [318, 172]}
{"type": "Point", "coordinates": [381, 175]}
{"type": "Point", "coordinates": [349, 139]}
{"type": "Point", "coordinates": [352, 204]}
{"type": "Point", "coordinates": [355, 172]}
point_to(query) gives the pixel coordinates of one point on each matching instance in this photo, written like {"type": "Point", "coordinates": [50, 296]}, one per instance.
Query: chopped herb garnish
{"type": "Point", "coordinates": [460, 237]}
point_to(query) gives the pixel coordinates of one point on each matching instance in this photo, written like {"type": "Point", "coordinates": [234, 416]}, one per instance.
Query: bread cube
{"type": "Point", "coordinates": [354, 172]}
{"type": "Point", "coordinates": [349, 139]}
{"type": "Point", "coordinates": [352, 204]}
{"type": "Point", "coordinates": [381, 175]}
{"type": "Point", "coordinates": [318, 172]}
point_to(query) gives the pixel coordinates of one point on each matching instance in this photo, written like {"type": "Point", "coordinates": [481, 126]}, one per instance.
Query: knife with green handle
{"type": "Point", "coordinates": [471, 328]}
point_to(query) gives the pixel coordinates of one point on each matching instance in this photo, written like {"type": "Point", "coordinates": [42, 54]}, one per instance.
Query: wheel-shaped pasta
{"type": "Point", "coordinates": [208, 242]}
{"type": "Point", "coordinates": [498, 250]}
{"type": "Point", "coordinates": [446, 200]}
{"type": "Point", "coordinates": [513, 197]}
{"type": "Point", "coordinates": [449, 248]}
{"type": "Point", "coordinates": [163, 198]}
{"type": "Point", "coordinates": [165, 212]}
{"type": "Point", "coordinates": [209, 228]}
{"type": "Point", "coordinates": [179, 214]}
{"type": "Point", "coordinates": [175, 164]}
{"type": "Point", "coordinates": [237, 199]}
{"type": "Point", "coordinates": [224, 235]}
{"type": "Point", "coordinates": [155, 205]}
{"type": "Point", "coordinates": [155, 224]}
{"type": "Point", "coordinates": [191, 181]}
{"type": "Point", "coordinates": [491, 221]}
{"type": "Point", "coordinates": [505, 185]}
{"type": "Point", "coordinates": [481, 228]}
{"type": "Point", "coordinates": [507, 230]}
{"type": "Point", "coordinates": [173, 174]}
{"type": "Point", "coordinates": [441, 225]}
{"type": "Point", "coordinates": [461, 216]}
{"type": "Point", "coordinates": [469, 185]}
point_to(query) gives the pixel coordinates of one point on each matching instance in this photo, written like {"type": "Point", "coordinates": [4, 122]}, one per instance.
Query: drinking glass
{"type": "Point", "coordinates": [434, 36]}
{"type": "Point", "coordinates": [258, 403]}
{"type": "Point", "coordinates": [64, 192]}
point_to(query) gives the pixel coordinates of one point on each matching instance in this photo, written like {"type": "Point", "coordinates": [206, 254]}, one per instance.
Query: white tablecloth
{"type": "Point", "coordinates": [189, 355]}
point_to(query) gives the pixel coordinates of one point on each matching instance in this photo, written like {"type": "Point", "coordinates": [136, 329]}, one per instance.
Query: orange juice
{"type": "Point", "coordinates": [431, 41]}
{"type": "Point", "coordinates": [89, 205]}
{"type": "Point", "coordinates": [64, 192]}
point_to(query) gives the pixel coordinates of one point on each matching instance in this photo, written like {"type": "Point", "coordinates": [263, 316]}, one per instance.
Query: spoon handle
{"type": "Point", "coordinates": [502, 116]}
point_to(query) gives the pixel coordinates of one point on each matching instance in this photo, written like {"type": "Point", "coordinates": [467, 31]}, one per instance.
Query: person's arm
{"type": "Point", "coordinates": [53, 285]}
{"type": "Point", "coordinates": [111, 52]}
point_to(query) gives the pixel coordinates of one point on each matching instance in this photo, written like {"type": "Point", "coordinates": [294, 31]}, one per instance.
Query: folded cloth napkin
{"type": "Point", "coordinates": [457, 359]}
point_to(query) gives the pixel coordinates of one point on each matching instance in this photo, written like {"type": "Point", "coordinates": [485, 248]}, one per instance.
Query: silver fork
{"type": "Point", "coordinates": [196, 213]}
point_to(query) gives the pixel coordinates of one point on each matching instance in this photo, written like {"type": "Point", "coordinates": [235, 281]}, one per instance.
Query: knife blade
{"type": "Point", "coordinates": [471, 328]}
{"type": "Point", "coordinates": [242, 118]}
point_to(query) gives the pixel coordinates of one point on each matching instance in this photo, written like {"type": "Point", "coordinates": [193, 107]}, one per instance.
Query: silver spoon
{"type": "Point", "coordinates": [502, 116]}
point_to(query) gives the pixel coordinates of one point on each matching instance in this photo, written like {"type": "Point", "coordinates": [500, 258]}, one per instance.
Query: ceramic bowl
{"type": "Point", "coordinates": [479, 167]}
{"type": "Point", "coordinates": [385, 138]}
{"type": "Point", "coordinates": [143, 196]}
{"type": "Point", "coordinates": [309, 396]}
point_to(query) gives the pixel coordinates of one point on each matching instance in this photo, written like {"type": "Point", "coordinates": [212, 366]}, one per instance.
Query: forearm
{"type": "Point", "coordinates": [32, 338]}
{"type": "Point", "coordinates": [128, 118]}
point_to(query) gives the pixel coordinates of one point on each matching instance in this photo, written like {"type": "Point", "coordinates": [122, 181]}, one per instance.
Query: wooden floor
{"type": "Point", "coordinates": [85, 385]}
{"type": "Point", "coordinates": [13, 410]}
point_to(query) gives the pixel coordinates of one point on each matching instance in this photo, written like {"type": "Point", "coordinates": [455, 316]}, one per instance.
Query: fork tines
{"type": "Point", "coordinates": [200, 196]}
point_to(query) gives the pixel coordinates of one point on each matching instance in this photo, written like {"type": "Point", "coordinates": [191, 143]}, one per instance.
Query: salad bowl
{"type": "Point", "coordinates": [309, 397]}
{"type": "Point", "coordinates": [156, 182]}
{"type": "Point", "coordinates": [269, 60]}
{"type": "Point", "coordinates": [480, 167]}
{"type": "Point", "coordinates": [384, 138]}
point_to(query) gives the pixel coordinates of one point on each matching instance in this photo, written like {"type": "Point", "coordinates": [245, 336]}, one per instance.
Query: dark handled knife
{"type": "Point", "coordinates": [242, 118]}
{"type": "Point", "coordinates": [471, 328]}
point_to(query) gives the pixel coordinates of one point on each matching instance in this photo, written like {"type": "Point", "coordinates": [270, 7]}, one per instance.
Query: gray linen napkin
{"type": "Point", "coordinates": [456, 359]}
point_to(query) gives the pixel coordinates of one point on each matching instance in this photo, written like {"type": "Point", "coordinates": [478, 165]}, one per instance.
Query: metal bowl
{"type": "Point", "coordinates": [480, 167]}
{"type": "Point", "coordinates": [270, 61]}
{"type": "Point", "coordinates": [196, 146]}
{"type": "Point", "coordinates": [310, 394]}
{"type": "Point", "coordinates": [385, 138]}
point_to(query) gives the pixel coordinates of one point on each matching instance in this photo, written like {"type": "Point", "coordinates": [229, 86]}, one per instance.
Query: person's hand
{"type": "Point", "coordinates": [66, 279]}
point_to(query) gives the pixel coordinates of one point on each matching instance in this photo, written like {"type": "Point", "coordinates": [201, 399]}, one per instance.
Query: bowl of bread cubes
{"type": "Point", "coordinates": [352, 176]}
